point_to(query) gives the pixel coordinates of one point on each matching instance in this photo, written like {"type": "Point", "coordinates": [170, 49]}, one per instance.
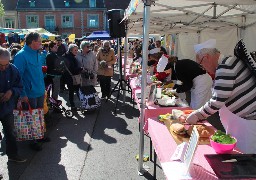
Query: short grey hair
{"type": "Point", "coordinates": [84, 43]}
{"type": "Point", "coordinates": [106, 42]}
{"type": "Point", "coordinates": [4, 54]}
{"type": "Point", "coordinates": [210, 51]}
{"type": "Point", "coordinates": [71, 47]}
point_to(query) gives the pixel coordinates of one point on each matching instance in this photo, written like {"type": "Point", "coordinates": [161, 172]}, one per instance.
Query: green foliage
{"type": "Point", "coordinates": [1, 9]}
{"type": "Point", "coordinates": [223, 138]}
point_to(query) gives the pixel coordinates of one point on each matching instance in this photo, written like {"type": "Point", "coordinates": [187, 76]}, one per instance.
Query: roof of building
{"type": "Point", "coordinates": [9, 5]}
{"type": "Point", "coordinates": [116, 4]}
{"type": "Point", "coordinates": [57, 4]}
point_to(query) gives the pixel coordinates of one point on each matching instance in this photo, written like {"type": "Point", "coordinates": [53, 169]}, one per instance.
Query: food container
{"type": "Point", "coordinates": [222, 148]}
{"type": "Point", "coordinates": [158, 92]}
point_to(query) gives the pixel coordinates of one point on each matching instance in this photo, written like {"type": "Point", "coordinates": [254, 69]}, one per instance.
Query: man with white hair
{"type": "Point", "coordinates": [234, 95]}
{"type": "Point", "coordinates": [10, 89]}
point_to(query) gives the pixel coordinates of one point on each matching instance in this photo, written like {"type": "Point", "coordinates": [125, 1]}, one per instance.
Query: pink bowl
{"type": "Point", "coordinates": [222, 148]}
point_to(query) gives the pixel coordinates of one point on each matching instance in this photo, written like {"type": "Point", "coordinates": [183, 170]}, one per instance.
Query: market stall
{"type": "Point", "coordinates": [190, 22]}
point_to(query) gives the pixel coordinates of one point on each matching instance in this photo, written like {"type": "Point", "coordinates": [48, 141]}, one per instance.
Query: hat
{"type": "Point", "coordinates": [163, 61]}
{"type": "Point", "coordinates": [154, 51]}
{"type": "Point", "coordinates": [211, 43]}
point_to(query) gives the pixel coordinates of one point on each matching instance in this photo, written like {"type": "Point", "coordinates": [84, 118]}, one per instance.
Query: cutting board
{"type": "Point", "coordinates": [182, 138]}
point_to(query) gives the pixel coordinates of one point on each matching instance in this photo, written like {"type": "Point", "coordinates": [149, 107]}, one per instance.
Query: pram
{"type": "Point", "coordinates": [57, 104]}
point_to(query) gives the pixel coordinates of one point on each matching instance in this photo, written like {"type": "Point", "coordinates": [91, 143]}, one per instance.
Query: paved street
{"type": "Point", "coordinates": [94, 146]}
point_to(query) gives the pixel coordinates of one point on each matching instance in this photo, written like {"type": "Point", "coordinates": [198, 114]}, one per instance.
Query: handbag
{"type": "Point", "coordinates": [88, 75]}
{"type": "Point", "coordinates": [29, 124]}
{"type": "Point", "coordinates": [75, 78]}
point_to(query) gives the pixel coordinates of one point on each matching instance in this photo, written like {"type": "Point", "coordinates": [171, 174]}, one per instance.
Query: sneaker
{"type": "Point", "coordinates": [36, 146]}
{"type": "Point", "coordinates": [16, 159]}
{"type": "Point", "coordinates": [1, 176]}
{"type": "Point", "coordinates": [45, 139]}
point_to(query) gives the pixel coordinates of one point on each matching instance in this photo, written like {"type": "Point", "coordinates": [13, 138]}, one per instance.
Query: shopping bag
{"type": "Point", "coordinates": [89, 98]}
{"type": "Point", "coordinates": [29, 124]}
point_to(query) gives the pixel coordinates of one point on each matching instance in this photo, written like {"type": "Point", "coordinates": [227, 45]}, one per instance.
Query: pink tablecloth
{"type": "Point", "coordinates": [134, 87]}
{"type": "Point", "coordinates": [165, 146]}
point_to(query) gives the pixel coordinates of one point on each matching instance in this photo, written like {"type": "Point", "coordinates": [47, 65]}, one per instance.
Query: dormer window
{"type": "Point", "coordinates": [66, 3]}
{"type": "Point", "coordinates": [32, 3]}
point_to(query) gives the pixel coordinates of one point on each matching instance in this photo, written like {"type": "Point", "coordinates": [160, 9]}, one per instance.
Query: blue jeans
{"type": "Point", "coordinates": [10, 135]}
{"type": "Point", "coordinates": [35, 103]}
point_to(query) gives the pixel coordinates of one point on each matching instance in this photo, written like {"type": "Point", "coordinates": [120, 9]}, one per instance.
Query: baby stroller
{"type": "Point", "coordinates": [57, 104]}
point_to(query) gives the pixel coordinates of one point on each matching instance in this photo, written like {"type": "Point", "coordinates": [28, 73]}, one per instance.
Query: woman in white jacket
{"type": "Point", "coordinates": [87, 59]}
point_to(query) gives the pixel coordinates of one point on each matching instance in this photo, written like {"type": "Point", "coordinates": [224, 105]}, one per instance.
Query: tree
{"type": "Point", "coordinates": [1, 9]}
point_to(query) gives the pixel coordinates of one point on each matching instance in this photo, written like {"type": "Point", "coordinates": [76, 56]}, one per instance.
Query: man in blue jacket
{"type": "Point", "coordinates": [28, 62]}
{"type": "Point", "coordinates": [10, 89]}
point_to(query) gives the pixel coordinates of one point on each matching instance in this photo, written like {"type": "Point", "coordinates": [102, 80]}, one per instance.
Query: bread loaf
{"type": "Point", "coordinates": [178, 128]}
{"type": "Point", "coordinates": [203, 130]}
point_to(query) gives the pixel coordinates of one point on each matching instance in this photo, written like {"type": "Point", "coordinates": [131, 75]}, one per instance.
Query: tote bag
{"type": "Point", "coordinates": [29, 124]}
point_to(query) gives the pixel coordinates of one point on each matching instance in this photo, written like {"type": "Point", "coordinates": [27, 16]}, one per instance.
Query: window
{"type": "Point", "coordinates": [93, 20]}
{"type": "Point", "coordinates": [92, 3]}
{"type": "Point", "coordinates": [32, 3]}
{"type": "Point", "coordinates": [67, 21]}
{"type": "Point", "coordinates": [32, 21]}
{"type": "Point", "coordinates": [49, 22]}
{"type": "Point", "coordinates": [9, 23]}
{"type": "Point", "coordinates": [66, 3]}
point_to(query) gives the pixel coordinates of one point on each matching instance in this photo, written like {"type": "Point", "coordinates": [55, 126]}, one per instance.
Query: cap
{"type": "Point", "coordinates": [211, 43]}
{"type": "Point", "coordinates": [154, 51]}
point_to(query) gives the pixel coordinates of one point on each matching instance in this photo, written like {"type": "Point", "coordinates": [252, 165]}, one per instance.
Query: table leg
{"type": "Point", "coordinates": [150, 150]}
{"type": "Point", "coordinates": [155, 158]}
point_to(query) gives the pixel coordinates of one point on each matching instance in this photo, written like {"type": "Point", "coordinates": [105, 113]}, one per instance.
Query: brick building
{"type": "Point", "coordinates": [63, 17]}
{"type": "Point", "coordinates": [9, 20]}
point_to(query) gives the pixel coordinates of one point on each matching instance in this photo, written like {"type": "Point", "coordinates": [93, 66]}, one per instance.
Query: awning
{"type": "Point", "coordinates": [171, 16]}
{"type": "Point", "coordinates": [102, 35]}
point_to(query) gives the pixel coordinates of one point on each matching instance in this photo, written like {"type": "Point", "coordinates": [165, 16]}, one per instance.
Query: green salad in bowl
{"type": "Point", "coordinates": [223, 138]}
{"type": "Point", "coordinates": [222, 143]}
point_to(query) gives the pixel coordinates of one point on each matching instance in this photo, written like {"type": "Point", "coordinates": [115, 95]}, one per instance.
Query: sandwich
{"type": "Point", "coordinates": [178, 128]}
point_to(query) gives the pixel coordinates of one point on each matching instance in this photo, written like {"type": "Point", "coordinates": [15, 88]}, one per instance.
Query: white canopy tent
{"type": "Point", "coordinates": [194, 21]}
{"type": "Point", "coordinates": [191, 22]}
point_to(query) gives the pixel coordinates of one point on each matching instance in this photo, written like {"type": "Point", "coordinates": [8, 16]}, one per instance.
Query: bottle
{"type": "Point", "coordinates": [158, 92]}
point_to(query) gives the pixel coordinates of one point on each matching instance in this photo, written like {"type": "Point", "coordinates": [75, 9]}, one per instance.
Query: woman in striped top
{"type": "Point", "coordinates": [233, 95]}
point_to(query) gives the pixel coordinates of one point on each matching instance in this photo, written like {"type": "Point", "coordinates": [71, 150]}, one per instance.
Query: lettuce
{"type": "Point", "coordinates": [223, 138]}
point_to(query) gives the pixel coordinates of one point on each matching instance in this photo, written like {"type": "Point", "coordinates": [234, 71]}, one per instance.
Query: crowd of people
{"type": "Point", "coordinates": [27, 71]}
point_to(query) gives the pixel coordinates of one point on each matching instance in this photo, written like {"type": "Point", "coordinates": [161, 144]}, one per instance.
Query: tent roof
{"type": "Point", "coordinates": [192, 15]}
{"type": "Point", "coordinates": [103, 35]}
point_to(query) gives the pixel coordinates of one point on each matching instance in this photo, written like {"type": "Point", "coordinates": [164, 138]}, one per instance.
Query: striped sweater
{"type": "Point", "coordinates": [235, 87]}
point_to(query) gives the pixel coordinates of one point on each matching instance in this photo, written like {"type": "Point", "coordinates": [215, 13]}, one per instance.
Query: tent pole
{"type": "Point", "coordinates": [146, 17]}
{"type": "Point", "coordinates": [125, 58]}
